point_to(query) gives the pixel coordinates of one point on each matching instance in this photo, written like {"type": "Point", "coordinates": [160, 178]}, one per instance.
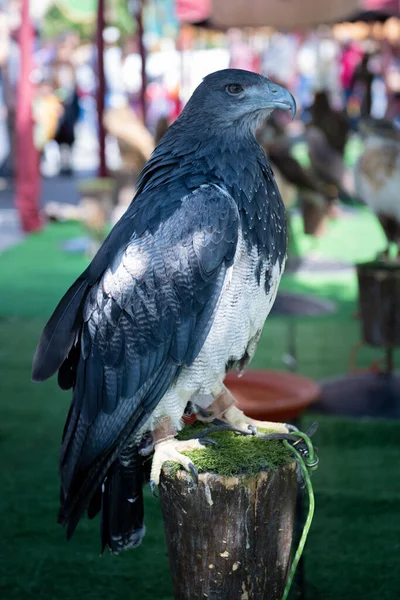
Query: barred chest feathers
{"type": "Point", "coordinates": [247, 298]}
{"type": "Point", "coordinates": [248, 294]}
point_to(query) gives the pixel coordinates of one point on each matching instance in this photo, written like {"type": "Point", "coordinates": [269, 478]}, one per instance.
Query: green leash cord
{"type": "Point", "coordinates": [307, 463]}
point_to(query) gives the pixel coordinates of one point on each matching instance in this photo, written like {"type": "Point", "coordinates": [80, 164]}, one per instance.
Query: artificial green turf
{"type": "Point", "coordinates": [353, 547]}
{"type": "Point", "coordinates": [35, 274]}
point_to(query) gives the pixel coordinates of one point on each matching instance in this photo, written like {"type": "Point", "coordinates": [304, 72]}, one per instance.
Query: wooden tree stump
{"type": "Point", "coordinates": [229, 538]}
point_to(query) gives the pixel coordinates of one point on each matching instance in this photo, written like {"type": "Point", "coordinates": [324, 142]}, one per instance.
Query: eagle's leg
{"type": "Point", "coordinates": [168, 448]}
{"type": "Point", "coordinates": [224, 408]}
{"type": "Point", "coordinates": [236, 417]}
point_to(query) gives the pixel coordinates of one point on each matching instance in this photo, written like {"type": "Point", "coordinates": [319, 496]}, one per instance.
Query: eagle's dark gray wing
{"type": "Point", "coordinates": [147, 316]}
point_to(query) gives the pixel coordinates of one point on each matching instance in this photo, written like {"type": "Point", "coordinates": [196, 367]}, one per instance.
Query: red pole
{"type": "Point", "coordinates": [27, 196]}
{"type": "Point", "coordinates": [101, 89]}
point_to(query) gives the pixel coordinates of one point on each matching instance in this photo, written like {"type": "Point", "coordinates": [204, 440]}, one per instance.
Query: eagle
{"type": "Point", "coordinates": [175, 297]}
{"type": "Point", "coordinates": [291, 177]}
{"type": "Point", "coordinates": [276, 144]}
{"type": "Point", "coordinates": [326, 136]}
{"type": "Point", "coordinates": [377, 176]}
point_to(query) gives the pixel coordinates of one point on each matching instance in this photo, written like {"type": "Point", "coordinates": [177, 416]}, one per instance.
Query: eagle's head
{"type": "Point", "coordinates": [233, 98]}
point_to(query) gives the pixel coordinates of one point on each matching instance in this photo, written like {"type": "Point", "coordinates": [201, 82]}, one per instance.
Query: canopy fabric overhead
{"type": "Point", "coordinates": [193, 11]}
{"type": "Point", "coordinates": [280, 14]}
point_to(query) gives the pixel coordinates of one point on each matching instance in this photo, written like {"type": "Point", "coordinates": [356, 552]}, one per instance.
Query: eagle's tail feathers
{"type": "Point", "coordinates": [122, 510]}
{"type": "Point", "coordinates": [117, 493]}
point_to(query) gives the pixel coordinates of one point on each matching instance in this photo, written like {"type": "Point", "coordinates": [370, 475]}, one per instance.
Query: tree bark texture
{"type": "Point", "coordinates": [379, 296]}
{"type": "Point", "coordinates": [229, 538]}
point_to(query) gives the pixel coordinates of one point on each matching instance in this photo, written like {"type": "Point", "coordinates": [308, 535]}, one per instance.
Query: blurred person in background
{"type": "Point", "coordinates": [115, 90]}
{"type": "Point", "coordinates": [161, 107]}
{"type": "Point", "coordinates": [306, 65]}
{"type": "Point", "coordinates": [86, 85]}
{"type": "Point", "coordinates": [66, 89]}
{"type": "Point", "coordinates": [10, 74]}
{"type": "Point", "coordinates": [361, 85]}
{"type": "Point", "coordinates": [242, 55]}
{"type": "Point", "coordinates": [47, 112]}
{"type": "Point", "coordinates": [131, 73]}
{"type": "Point", "coordinates": [4, 50]}
{"type": "Point", "coordinates": [393, 87]}
{"type": "Point", "coordinates": [350, 59]}
{"type": "Point", "coordinates": [65, 133]}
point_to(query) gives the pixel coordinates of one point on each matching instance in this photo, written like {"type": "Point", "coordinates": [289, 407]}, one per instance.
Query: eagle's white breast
{"type": "Point", "coordinates": [240, 315]}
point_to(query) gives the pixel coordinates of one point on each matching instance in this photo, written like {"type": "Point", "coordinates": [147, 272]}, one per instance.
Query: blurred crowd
{"type": "Point", "coordinates": [360, 78]}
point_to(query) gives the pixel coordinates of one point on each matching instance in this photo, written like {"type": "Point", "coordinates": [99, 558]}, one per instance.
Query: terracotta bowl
{"type": "Point", "coordinates": [272, 395]}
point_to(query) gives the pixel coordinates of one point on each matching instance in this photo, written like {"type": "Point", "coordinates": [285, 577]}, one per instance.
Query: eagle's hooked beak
{"type": "Point", "coordinates": [280, 97]}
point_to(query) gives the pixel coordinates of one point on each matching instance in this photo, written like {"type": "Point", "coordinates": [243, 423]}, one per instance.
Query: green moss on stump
{"type": "Point", "coordinates": [235, 454]}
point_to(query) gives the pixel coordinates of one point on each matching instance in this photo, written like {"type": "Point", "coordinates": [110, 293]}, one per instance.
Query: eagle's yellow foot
{"type": "Point", "coordinates": [236, 417]}
{"type": "Point", "coordinates": [169, 450]}
{"type": "Point", "coordinates": [224, 409]}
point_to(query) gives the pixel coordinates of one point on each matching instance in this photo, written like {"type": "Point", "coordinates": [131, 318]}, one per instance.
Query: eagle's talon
{"type": "Point", "coordinates": [202, 413]}
{"type": "Point", "coordinates": [194, 473]}
{"type": "Point", "coordinates": [312, 429]}
{"type": "Point", "coordinates": [153, 487]}
{"type": "Point", "coordinates": [252, 429]}
{"type": "Point", "coordinates": [291, 427]}
{"type": "Point", "coordinates": [170, 450]}
{"type": "Point", "coordinates": [204, 441]}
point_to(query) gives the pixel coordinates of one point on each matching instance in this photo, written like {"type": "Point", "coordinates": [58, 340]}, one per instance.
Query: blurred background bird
{"type": "Point", "coordinates": [377, 176]}
{"type": "Point", "coordinates": [289, 173]}
{"type": "Point", "coordinates": [326, 137]}
{"type": "Point", "coordinates": [298, 184]}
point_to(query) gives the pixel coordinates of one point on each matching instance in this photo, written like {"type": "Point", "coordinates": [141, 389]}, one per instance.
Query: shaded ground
{"type": "Point", "coordinates": [54, 189]}
{"type": "Point", "coordinates": [354, 542]}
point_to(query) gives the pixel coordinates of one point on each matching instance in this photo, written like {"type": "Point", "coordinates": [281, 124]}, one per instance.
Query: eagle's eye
{"type": "Point", "coordinates": [234, 88]}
